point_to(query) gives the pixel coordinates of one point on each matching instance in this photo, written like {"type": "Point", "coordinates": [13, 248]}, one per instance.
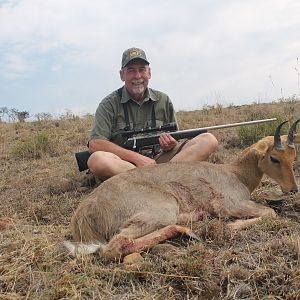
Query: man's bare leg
{"type": "Point", "coordinates": [197, 149]}
{"type": "Point", "coordinates": [105, 165]}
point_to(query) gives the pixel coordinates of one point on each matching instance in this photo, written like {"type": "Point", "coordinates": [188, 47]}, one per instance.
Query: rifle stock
{"type": "Point", "coordinates": [82, 158]}
{"type": "Point", "coordinates": [137, 142]}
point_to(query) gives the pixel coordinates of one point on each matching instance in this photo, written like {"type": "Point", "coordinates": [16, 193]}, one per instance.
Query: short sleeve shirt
{"type": "Point", "coordinates": [110, 118]}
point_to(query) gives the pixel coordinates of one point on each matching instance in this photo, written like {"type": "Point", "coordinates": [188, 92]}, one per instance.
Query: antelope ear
{"type": "Point", "coordinates": [296, 138]}
{"type": "Point", "coordinates": [262, 147]}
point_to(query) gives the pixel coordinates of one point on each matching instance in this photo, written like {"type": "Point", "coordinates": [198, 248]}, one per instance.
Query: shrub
{"type": "Point", "coordinates": [289, 105]}
{"type": "Point", "coordinates": [251, 134]}
{"type": "Point", "coordinates": [33, 146]}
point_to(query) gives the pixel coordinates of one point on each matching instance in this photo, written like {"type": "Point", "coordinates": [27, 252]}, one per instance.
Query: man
{"type": "Point", "coordinates": [137, 106]}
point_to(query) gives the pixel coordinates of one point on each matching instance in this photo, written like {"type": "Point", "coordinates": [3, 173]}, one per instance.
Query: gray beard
{"type": "Point", "coordinates": [138, 90]}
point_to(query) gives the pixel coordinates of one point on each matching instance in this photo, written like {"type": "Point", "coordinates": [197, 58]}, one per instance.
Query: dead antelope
{"type": "Point", "coordinates": [137, 209]}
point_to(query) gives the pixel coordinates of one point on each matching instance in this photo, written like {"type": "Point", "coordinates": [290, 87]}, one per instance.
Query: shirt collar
{"type": "Point", "coordinates": [150, 95]}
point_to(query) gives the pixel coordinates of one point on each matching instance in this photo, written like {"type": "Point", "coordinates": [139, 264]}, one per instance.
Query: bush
{"type": "Point", "coordinates": [249, 135]}
{"type": "Point", "coordinates": [33, 147]}
{"type": "Point", "coordinates": [289, 105]}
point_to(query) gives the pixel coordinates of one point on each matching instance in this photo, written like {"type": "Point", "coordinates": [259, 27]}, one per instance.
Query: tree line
{"type": "Point", "coordinates": [14, 115]}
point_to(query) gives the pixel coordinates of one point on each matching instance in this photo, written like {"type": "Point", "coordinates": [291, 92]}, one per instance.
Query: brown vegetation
{"type": "Point", "coordinates": [40, 188]}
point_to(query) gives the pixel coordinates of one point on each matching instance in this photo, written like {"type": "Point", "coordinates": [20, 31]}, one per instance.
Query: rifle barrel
{"type": "Point", "coordinates": [234, 124]}
{"type": "Point", "coordinates": [144, 141]}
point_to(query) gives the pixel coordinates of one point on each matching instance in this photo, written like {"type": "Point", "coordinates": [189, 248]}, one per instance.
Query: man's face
{"type": "Point", "coordinates": [136, 77]}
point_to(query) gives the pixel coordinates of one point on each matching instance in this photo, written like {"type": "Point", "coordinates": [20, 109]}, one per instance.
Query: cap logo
{"type": "Point", "coordinates": [135, 53]}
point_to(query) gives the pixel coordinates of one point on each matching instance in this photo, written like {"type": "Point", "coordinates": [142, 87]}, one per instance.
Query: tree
{"type": "Point", "coordinates": [22, 115]}
{"type": "Point", "coordinates": [3, 112]}
{"type": "Point", "coordinates": [43, 116]}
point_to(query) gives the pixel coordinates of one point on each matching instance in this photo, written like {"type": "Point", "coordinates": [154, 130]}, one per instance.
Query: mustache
{"type": "Point", "coordinates": [137, 81]}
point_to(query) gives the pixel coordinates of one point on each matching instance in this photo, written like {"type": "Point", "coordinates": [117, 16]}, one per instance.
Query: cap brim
{"type": "Point", "coordinates": [136, 58]}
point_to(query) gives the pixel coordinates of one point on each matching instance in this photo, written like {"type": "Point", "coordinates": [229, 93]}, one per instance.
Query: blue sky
{"type": "Point", "coordinates": [58, 55]}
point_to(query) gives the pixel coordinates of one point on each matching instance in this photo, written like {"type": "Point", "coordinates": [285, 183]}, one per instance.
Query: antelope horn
{"type": "Point", "coordinates": [291, 134]}
{"type": "Point", "coordinates": [277, 141]}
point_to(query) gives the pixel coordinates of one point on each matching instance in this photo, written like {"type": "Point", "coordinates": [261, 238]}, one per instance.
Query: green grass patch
{"type": "Point", "coordinates": [33, 146]}
{"type": "Point", "coordinates": [249, 135]}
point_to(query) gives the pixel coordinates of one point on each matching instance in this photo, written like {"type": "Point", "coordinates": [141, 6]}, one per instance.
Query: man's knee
{"type": "Point", "coordinates": [207, 139]}
{"type": "Point", "coordinates": [197, 149]}
{"type": "Point", "coordinates": [105, 164]}
{"type": "Point", "coordinates": [211, 141]}
{"type": "Point", "coordinates": [100, 160]}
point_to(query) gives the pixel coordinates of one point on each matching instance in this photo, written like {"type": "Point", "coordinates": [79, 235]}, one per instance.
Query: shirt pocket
{"type": "Point", "coordinates": [116, 134]}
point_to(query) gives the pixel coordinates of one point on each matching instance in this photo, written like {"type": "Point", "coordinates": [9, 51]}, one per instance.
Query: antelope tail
{"type": "Point", "coordinates": [79, 249]}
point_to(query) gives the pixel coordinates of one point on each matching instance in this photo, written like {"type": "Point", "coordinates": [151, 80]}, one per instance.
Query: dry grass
{"type": "Point", "coordinates": [261, 262]}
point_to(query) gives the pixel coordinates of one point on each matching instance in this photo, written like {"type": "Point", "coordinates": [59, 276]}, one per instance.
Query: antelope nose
{"type": "Point", "coordinates": [294, 190]}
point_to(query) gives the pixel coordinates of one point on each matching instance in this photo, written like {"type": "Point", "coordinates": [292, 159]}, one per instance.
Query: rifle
{"type": "Point", "coordinates": [83, 156]}
{"type": "Point", "coordinates": [163, 128]}
{"type": "Point", "coordinates": [136, 142]}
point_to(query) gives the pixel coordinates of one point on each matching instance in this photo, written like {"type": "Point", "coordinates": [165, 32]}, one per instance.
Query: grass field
{"type": "Point", "coordinates": [40, 187]}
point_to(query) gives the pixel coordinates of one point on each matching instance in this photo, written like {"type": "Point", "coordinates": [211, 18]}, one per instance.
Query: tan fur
{"type": "Point", "coordinates": [133, 205]}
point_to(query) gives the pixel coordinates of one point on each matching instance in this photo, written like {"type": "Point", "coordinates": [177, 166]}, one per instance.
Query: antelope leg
{"type": "Point", "coordinates": [127, 246]}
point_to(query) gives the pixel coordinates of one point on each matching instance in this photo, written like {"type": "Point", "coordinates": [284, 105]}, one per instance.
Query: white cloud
{"type": "Point", "coordinates": [200, 51]}
{"type": "Point", "coordinates": [56, 67]}
{"type": "Point", "coordinates": [15, 66]}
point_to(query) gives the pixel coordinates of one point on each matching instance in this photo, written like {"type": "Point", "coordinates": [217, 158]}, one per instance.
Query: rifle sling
{"type": "Point", "coordinates": [126, 115]}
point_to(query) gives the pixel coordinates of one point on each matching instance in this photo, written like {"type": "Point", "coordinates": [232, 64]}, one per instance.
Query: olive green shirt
{"type": "Point", "coordinates": [110, 119]}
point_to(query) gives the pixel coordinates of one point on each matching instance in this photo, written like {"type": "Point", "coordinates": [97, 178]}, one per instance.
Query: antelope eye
{"type": "Point", "coordinates": [274, 159]}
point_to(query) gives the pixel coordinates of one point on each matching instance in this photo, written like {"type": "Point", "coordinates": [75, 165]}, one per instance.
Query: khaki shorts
{"type": "Point", "coordinates": [163, 157]}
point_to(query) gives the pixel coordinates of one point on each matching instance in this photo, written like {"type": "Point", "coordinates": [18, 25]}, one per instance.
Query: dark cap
{"type": "Point", "coordinates": [133, 53]}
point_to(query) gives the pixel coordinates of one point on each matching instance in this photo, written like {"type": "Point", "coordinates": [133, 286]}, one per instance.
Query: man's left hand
{"type": "Point", "coordinates": [167, 142]}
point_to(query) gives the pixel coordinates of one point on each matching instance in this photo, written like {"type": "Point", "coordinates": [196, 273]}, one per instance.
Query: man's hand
{"type": "Point", "coordinates": [167, 142]}
{"type": "Point", "coordinates": [141, 160]}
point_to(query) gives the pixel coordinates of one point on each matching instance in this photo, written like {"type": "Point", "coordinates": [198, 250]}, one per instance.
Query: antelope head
{"type": "Point", "coordinates": [277, 158]}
